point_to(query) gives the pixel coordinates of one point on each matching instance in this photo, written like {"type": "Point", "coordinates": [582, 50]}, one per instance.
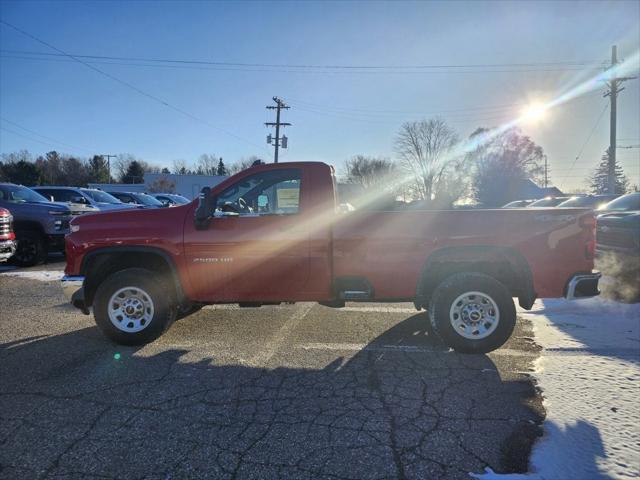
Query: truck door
{"type": "Point", "coordinates": [254, 248]}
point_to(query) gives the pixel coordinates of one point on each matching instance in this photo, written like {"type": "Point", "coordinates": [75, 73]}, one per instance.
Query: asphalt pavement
{"type": "Point", "coordinates": [295, 391]}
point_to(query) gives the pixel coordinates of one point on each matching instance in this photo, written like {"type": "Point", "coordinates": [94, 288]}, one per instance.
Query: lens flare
{"type": "Point", "coordinates": [534, 112]}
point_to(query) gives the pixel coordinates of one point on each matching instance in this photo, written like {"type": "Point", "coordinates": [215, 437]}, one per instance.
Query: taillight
{"type": "Point", "coordinates": [588, 221]}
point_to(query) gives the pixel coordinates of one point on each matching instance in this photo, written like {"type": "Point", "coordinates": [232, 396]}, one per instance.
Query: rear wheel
{"type": "Point", "coordinates": [472, 313]}
{"type": "Point", "coordinates": [132, 307]}
{"type": "Point", "coordinates": [31, 249]}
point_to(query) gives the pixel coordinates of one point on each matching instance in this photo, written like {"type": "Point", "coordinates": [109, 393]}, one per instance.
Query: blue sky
{"type": "Point", "coordinates": [335, 114]}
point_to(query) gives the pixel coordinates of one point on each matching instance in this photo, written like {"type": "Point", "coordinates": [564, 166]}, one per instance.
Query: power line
{"type": "Point", "coordinates": [316, 66]}
{"type": "Point", "coordinates": [53, 140]}
{"type": "Point", "coordinates": [307, 71]}
{"type": "Point", "coordinates": [586, 142]}
{"type": "Point", "coordinates": [129, 85]}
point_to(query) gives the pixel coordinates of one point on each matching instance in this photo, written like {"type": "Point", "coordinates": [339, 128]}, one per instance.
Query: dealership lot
{"type": "Point", "coordinates": [295, 391]}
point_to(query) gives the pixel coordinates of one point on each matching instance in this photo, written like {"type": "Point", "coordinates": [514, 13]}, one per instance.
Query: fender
{"type": "Point", "coordinates": [158, 252]}
{"type": "Point", "coordinates": [486, 254]}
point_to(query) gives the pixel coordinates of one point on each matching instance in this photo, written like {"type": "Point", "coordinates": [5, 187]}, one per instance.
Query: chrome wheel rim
{"type": "Point", "coordinates": [130, 309]}
{"type": "Point", "coordinates": [474, 315]}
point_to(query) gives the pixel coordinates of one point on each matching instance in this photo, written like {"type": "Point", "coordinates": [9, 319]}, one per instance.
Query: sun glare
{"type": "Point", "coordinates": [534, 112]}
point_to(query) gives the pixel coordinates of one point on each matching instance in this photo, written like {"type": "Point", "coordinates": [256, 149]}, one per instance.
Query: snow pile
{"type": "Point", "coordinates": [42, 275]}
{"type": "Point", "coordinates": [589, 372]}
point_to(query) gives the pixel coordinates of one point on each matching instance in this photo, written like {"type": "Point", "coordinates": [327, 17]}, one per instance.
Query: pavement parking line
{"type": "Point", "coordinates": [264, 355]}
{"type": "Point", "coordinates": [402, 348]}
{"type": "Point", "coordinates": [378, 310]}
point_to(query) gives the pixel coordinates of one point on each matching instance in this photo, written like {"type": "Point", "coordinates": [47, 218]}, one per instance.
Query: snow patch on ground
{"type": "Point", "coordinates": [42, 275]}
{"type": "Point", "coordinates": [589, 372]}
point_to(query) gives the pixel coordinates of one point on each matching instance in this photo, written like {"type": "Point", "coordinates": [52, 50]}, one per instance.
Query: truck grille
{"type": "Point", "coordinates": [615, 238]}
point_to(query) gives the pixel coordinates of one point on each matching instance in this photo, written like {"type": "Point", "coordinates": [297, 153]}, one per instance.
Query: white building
{"type": "Point", "coordinates": [186, 185]}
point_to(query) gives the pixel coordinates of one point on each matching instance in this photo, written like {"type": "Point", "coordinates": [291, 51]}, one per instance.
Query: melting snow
{"type": "Point", "coordinates": [589, 372]}
{"type": "Point", "coordinates": [42, 275]}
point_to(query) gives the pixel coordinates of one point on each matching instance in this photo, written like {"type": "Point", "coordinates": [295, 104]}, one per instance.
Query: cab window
{"type": "Point", "coordinates": [274, 192]}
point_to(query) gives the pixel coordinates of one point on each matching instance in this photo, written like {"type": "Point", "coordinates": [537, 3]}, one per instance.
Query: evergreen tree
{"type": "Point", "coordinates": [98, 169]}
{"type": "Point", "coordinates": [599, 179]}
{"type": "Point", "coordinates": [222, 169]}
{"type": "Point", "coordinates": [165, 171]}
{"type": "Point", "coordinates": [134, 174]}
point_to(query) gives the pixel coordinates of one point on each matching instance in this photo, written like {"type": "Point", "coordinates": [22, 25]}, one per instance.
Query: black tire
{"type": "Point", "coordinates": [164, 309]}
{"type": "Point", "coordinates": [457, 285]}
{"type": "Point", "coordinates": [188, 310]}
{"type": "Point", "coordinates": [30, 250]}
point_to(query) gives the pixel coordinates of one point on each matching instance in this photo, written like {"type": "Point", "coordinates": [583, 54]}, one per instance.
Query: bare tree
{"type": "Point", "coordinates": [369, 171]}
{"type": "Point", "coordinates": [179, 167]}
{"type": "Point", "coordinates": [242, 164]}
{"type": "Point", "coordinates": [163, 185]}
{"type": "Point", "coordinates": [501, 162]}
{"type": "Point", "coordinates": [207, 164]}
{"type": "Point", "coordinates": [423, 148]}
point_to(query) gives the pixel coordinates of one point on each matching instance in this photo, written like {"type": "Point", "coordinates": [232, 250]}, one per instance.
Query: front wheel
{"type": "Point", "coordinates": [472, 313]}
{"type": "Point", "coordinates": [31, 249]}
{"type": "Point", "coordinates": [133, 307]}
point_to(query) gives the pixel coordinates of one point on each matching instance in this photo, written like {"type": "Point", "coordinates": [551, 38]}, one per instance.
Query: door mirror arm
{"type": "Point", "coordinates": [204, 210]}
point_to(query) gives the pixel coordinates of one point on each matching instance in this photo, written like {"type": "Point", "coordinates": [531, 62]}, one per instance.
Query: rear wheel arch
{"type": "Point", "coordinates": [504, 264]}
{"type": "Point", "coordinates": [99, 264]}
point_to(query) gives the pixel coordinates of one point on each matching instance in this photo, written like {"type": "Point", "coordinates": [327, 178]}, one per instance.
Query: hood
{"type": "Point", "coordinates": [620, 218]}
{"type": "Point", "coordinates": [113, 206]}
{"type": "Point", "coordinates": [52, 206]}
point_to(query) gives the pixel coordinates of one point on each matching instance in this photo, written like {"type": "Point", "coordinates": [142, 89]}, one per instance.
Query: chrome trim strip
{"type": "Point", "coordinates": [71, 284]}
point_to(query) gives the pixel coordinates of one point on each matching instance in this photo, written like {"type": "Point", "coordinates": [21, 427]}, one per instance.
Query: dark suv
{"type": "Point", "coordinates": [40, 225]}
{"type": "Point", "coordinates": [619, 225]}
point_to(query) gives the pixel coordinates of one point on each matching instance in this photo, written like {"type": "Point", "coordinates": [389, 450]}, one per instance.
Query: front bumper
{"type": "Point", "coordinates": [7, 249]}
{"type": "Point", "coordinates": [583, 285]}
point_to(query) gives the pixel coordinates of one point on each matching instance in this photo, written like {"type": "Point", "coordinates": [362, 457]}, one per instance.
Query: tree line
{"type": "Point", "coordinates": [435, 167]}
{"type": "Point", "coordinates": [55, 168]}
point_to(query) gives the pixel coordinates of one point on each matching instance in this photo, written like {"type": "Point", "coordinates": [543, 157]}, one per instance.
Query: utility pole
{"type": "Point", "coordinates": [278, 141]}
{"type": "Point", "coordinates": [546, 171]}
{"type": "Point", "coordinates": [109, 157]}
{"type": "Point", "coordinates": [614, 90]}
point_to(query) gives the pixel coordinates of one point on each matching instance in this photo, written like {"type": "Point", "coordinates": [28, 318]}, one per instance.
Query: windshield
{"type": "Point", "coordinates": [548, 202]}
{"type": "Point", "coordinates": [20, 194]}
{"type": "Point", "coordinates": [100, 196]}
{"type": "Point", "coordinates": [579, 202]}
{"type": "Point", "coordinates": [180, 199]}
{"type": "Point", "coordinates": [624, 203]}
{"type": "Point", "coordinates": [148, 200]}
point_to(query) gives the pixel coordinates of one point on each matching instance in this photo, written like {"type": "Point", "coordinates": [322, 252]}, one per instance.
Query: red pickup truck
{"type": "Point", "coordinates": [275, 233]}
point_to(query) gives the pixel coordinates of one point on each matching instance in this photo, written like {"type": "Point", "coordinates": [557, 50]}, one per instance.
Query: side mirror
{"type": "Point", "coordinates": [263, 201]}
{"type": "Point", "coordinates": [78, 199]}
{"type": "Point", "coordinates": [204, 209]}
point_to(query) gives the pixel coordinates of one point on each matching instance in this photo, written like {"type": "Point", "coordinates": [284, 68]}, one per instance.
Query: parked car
{"type": "Point", "coordinates": [547, 202]}
{"type": "Point", "coordinates": [40, 225]}
{"type": "Point", "coordinates": [170, 199]}
{"type": "Point", "coordinates": [273, 233]}
{"type": "Point", "coordinates": [518, 204]}
{"type": "Point", "coordinates": [593, 202]}
{"type": "Point", "coordinates": [82, 200]}
{"type": "Point", "coordinates": [7, 237]}
{"type": "Point", "coordinates": [618, 228]}
{"type": "Point", "coordinates": [142, 200]}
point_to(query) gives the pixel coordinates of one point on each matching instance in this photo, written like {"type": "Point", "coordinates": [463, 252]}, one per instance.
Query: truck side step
{"type": "Point", "coordinates": [355, 295]}
{"type": "Point", "coordinates": [356, 289]}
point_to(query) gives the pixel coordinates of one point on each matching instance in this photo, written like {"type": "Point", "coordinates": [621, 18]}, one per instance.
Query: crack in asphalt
{"type": "Point", "coordinates": [402, 413]}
